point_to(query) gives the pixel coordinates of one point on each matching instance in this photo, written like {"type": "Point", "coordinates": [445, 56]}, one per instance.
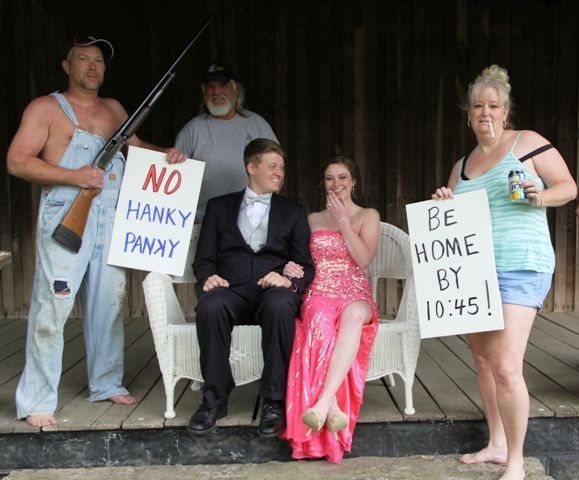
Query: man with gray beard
{"type": "Point", "coordinates": [219, 134]}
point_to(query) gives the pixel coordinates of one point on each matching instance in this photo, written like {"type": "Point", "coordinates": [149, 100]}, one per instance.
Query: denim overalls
{"type": "Point", "coordinates": [60, 274]}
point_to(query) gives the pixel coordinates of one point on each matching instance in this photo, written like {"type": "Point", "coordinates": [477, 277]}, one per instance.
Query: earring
{"type": "Point", "coordinates": [468, 122]}
{"type": "Point", "coordinates": [504, 124]}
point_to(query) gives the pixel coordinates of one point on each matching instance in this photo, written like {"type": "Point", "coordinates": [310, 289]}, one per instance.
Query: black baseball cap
{"type": "Point", "coordinates": [87, 40]}
{"type": "Point", "coordinates": [218, 71]}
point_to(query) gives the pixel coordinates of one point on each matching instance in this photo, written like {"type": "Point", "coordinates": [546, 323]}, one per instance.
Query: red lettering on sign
{"type": "Point", "coordinates": [171, 185]}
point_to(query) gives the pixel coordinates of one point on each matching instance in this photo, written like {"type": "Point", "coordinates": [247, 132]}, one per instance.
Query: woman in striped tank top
{"type": "Point", "coordinates": [524, 255]}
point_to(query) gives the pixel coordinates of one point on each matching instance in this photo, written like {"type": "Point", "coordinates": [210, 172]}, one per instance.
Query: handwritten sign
{"type": "Point", "coordinates": [454, 266]}
{"type": "Point", "coordinates": [155, 212]}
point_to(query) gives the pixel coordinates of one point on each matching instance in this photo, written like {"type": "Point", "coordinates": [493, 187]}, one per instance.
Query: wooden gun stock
{"type": "Point", "coordinates": [70, 230]}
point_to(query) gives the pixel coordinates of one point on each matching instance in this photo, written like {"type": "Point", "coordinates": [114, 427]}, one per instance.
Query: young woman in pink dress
{"type": "Point", "coordinates": [337, 324]}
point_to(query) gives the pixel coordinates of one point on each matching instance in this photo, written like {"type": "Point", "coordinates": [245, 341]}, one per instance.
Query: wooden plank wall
{"type": "Point", "coordinates": [381, 81]}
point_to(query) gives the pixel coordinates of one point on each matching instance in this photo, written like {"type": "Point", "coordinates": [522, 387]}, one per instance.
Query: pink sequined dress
{"type": "Point", "coordinates": [337, 283]}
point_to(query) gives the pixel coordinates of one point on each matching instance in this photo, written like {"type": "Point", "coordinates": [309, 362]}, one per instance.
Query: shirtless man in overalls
{"type": "Point", "coordinates": [59, 136]}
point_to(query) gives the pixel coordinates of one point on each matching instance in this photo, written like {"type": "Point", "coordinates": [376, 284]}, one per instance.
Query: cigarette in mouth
{"type": "Point", "coordinates": [492, 129]}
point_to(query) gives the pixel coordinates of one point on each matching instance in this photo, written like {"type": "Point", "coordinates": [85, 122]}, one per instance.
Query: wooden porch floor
{"type": "Point", "coordinates": [445, 386]}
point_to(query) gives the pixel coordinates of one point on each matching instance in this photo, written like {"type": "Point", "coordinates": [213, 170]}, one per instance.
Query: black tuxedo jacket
{"type": "Point", "coordinates": [222, 250]}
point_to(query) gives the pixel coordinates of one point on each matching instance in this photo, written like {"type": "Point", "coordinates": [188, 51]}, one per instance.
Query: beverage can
{"type": "Point", "coordinates": [515, 190]}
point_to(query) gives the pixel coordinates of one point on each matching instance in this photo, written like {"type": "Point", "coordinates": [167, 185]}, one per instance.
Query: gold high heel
{"type": "Point", "coordinates": [337, 422]}
{"type": "Point", "coordinates": [312, 419]}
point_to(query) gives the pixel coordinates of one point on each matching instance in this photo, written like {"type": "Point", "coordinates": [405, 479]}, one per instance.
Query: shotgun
{"type": "Point", "coordinates": [69, 232]}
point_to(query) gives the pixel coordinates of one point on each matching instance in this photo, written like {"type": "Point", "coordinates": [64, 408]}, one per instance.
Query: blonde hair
{"type": "Point", "coordinates": [497, 78]}
{"type": "Point", "coordinates": [260, 146]}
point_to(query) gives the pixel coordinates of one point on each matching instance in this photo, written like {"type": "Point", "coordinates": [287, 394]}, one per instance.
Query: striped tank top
{"type": "Point", "coordinates": [520, 231]}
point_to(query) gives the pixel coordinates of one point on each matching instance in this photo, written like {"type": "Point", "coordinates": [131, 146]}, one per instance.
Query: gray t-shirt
{"type": "Point", "coordinates": [220, 144]}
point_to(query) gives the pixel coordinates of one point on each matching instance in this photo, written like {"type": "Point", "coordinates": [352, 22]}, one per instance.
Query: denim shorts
{"type": "Point", "coordinates": [524, 287]}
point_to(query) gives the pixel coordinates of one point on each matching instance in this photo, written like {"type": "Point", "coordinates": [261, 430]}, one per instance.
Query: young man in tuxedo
{"type": "Point", "coordinates": [246, 239]}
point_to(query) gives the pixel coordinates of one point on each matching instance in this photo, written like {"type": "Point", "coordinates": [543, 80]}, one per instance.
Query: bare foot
{"type": "Point", "coordinates": [514, 472]}
{"type": "Point", "coordinates": [485, 455]}
{"type": "Point", "coordinates": [123, 399]}
{"type": "Point", "coordinates": [41, 420]}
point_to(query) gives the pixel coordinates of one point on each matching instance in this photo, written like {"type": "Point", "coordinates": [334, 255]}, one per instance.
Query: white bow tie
{"type": "Point", "coordinates": [250, 199]}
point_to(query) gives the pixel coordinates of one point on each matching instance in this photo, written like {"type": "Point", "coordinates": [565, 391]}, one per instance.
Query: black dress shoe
{"type": "Point", "coordinates": [203, 420]}
{"type": "Point", "coordinates": [272, 421]}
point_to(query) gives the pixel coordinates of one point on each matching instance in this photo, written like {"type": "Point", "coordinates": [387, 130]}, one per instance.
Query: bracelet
{"type": "Point", "coordinates": [344, 219]}
{"type": "Point", "coordinates": [541, 202]}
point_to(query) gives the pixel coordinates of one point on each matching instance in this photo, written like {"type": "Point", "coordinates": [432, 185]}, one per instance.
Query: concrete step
{"type": "Point", "coordinates": [439, 467]}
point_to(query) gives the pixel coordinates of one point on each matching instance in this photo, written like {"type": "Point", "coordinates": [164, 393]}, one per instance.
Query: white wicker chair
{"type": "Point", "coordinates": [397, 343]}
{"type": "Point", "coordinates": [176, 340]}
{"type": "Point", "coordinates": [395, 349]}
